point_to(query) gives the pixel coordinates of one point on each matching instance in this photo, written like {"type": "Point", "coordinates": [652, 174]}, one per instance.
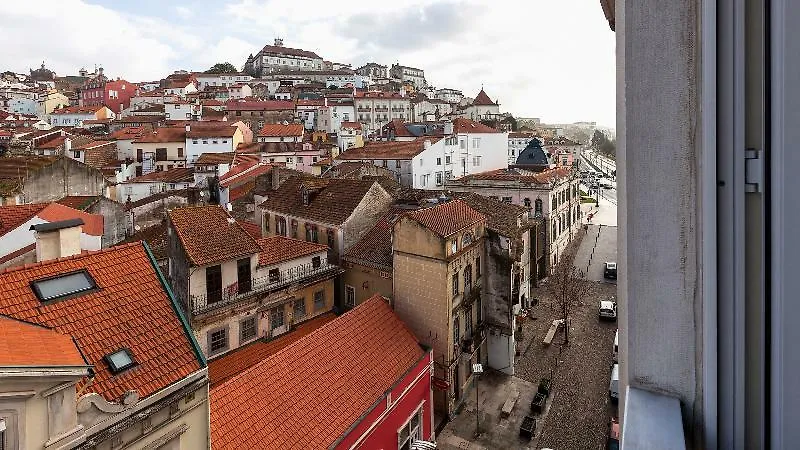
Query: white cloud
{"type": "Point", "coordinates": [548, 59]}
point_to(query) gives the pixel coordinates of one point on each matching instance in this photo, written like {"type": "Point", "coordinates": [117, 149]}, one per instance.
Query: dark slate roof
{"type": "Point", "coordinates": [533, 154]}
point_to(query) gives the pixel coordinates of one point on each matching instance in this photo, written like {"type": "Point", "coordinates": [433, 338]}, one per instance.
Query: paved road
{"type": "Point", "coordinates": [599, 246]}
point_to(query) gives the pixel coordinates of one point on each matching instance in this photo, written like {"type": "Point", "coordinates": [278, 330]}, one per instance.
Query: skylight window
{"type": "Point", "coordinates": [61, 286]}
{"type": "Point", "coordinates": [120, 360]}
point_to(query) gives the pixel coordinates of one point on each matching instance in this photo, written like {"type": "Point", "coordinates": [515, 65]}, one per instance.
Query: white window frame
{"type": "Point", "coordinates": [413, 434]}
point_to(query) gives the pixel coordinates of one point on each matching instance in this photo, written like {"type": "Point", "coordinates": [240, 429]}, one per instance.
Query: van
{"type": "Point", "coordinates": [616, 346]}
{"type": "Point", "coordinates": [613, 386]}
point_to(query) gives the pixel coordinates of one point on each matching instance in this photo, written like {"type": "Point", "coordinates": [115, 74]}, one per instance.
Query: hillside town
{"type": "Point", "coordinates": [297, 253]}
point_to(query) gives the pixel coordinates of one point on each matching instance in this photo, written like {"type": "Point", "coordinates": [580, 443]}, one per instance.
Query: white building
{"type": "Point", "coordinates": [276, 57]}
{"type": "Point", "coordinates": [237, 91]}
{"type": "Point", "coordinates": [182, 110]}
{"type": "Point", "coordinates": [481, 108]}
{"type": "Point", "coordinates": [426, 109]}
{"type": "Point", "coordinates": [211, 137]}
{"type": "Point", "coordinates": [375, 109]}
{"type": "Point", "coordinates": [330, 117]}
{"type": "Point", "coordinates": [517, 141]}
{"type": "Point", "coordinates": [179, 88]}
{"type": "Point", "coordinates": [408, 74]}
{"type": "Point", "coordinates": [154, 182]}
{"type": "Point", "coordinates": [449, 95]}
{"type": "Point", "coordinates": [74, 116]}
{"type": "Point", "coordinates": [221, 79]}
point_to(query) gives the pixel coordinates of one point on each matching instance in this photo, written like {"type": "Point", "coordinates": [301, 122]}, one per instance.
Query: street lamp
{"type": "Point", "coordinates": [477, 369]}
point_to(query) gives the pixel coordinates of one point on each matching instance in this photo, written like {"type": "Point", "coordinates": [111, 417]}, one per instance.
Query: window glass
{"type": "Point", "coordinates": [247, 329]}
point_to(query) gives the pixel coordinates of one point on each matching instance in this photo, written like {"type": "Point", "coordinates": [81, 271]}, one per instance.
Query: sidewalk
{"type": "Point", "coordinates": [606, 214]}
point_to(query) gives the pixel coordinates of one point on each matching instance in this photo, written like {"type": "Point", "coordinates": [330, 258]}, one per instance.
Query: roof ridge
{"type": "Point", "coordinates": [82, 254]}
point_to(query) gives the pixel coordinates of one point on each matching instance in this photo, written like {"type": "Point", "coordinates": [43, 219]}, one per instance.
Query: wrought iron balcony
{"type": "Point", "coordinates": [471, 343]}
{"type": "Point", "coordinates": [236, 292]}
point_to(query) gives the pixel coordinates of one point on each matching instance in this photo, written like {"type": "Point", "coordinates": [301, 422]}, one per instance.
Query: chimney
{"type": "Point", "coordinates": [67, 144]}
{"type": "Point", "coordinates": [427, 144]}
{"type": "Point", "coordinates": [448, 128]}
{"type": "Point", "coordinates": [188, 127]}
{"type": "Point", "coordinates": [57, 239]}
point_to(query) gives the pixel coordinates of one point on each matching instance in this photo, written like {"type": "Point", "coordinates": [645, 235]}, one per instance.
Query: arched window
{"type": "Point", "coordinates": [527, 202]}
{"type": "Point", "coordinates": [538, 206]}
{"type": "Point", "coordinates": [467, 239]}
{"type": "Point", "coordinates": [467, 279]}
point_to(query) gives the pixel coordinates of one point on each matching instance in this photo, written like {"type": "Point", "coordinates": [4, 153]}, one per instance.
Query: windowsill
{"type": "Point", "coordinates": [652, 421]}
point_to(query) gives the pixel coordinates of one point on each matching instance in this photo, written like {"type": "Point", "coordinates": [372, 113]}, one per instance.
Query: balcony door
{"type": "Point", "coordinates": [214, 284]}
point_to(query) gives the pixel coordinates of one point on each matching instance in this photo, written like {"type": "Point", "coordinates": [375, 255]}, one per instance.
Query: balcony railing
{"type": "Point", "coordinates": [381, 109]}
{"type": "Point", "coordinates": [471, 343]}
{"type": "Point", "coordinates": [201, 304]}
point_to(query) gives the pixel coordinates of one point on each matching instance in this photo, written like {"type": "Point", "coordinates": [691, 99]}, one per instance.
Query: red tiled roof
{"type": "Point", "coordinates": [27, 344]}
{"type": "Point", "coordinates": [281, 50]}
{"type": "Point", "coordinates": [253, 229]}
{"type": "Point", "coordinates": [483, 100]}
{"type": "Point", "coordinates": [230, 364]}
{"type": "Point", "coordinates": [243, 172]}
{"type": "Point", "coordinates": [334, 204]}
{"type": "Point", "coordinates": [78, 110]}
{"type": "Point", "coordinates": [163, 134]}
{"type": "Point", "coordinates": [214, 159]}
{"type": "Point", "coordinates": [221, 129]}
{"type": "Point", "coordinates": [80, 202]}
{"type": "Point", "coordinates": [447, 218]}
{"type": "Point", "coordinates": [462, 125]}
{"type": "Point", "coordinates": [241, 190]}
{"type": "Point", "coordinates": [356, 125]}
{"type": "Point", "coordinates": [280, 130]}
{"type": "Point", "coordinates": [128, 133]}
{"type": "Point", "coordinates": [209, 235]}
{"type": "Point", "coordinates": [259, 105]}
{"type": "Point", "coordinates": [55, 212]}
{"type": "Point", "coordinates": [130, 309]}
{"type": "Point", "coordinates": [544, 177]}
{"type": "Point", "coordinates": [319, 386]}
{"type": "Point", "coordinates": [388, 149]}
{"type": "Point", "coordinates": [278, 249]}
{"type": "Point", "coordinates": [15, 215]}
{"type": "Point", "coordinates": [375, 247]}
{"type": "Point", "coordinates": [52, 143]}
{"type": "Point", "coordinates": [175, 175]}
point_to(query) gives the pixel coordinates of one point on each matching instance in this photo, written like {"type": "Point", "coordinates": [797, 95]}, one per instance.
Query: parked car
{"type": "Point", "coordinates": [613, 435]}
{"type": "Point", "coordinates": [610, 270]}
{"type": "Point", "coordinates": [613, 385]}
{"type": "Point", "coordinates": [616, 346]}
{"type": "Point", "coordinates": [608, 310]}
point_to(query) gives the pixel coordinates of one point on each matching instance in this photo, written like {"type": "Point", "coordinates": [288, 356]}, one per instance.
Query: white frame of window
{"type": "Point", "coordinates": [210, 340]}
{"type": "Point", "coordinates": [242, 338]}
{"type": "Point", "coordinates": [419, 412]}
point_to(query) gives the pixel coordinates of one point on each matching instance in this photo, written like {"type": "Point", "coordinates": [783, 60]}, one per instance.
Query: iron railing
{"type": "Point", "coordinates": [233, 293]}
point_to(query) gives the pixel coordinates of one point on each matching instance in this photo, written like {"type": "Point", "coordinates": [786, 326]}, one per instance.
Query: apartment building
{"type": "Point", "coordinates": [375, 108]}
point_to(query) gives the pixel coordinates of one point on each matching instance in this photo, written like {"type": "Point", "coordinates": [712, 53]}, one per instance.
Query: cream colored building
{"type": "Point", "coordinates": [438, 258]}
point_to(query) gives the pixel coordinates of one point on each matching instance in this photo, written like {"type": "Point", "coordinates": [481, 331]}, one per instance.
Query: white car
{"type": "Point", "coordinates": [608, 310]}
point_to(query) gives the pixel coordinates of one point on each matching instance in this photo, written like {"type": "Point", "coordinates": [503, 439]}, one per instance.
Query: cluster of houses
{"type": "Point", "coordinates": [167, 254]}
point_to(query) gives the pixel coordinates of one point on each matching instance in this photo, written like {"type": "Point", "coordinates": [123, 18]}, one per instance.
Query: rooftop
{"type": "Point", "coordinates": [214, 159]}
{"type": "Point", "coordinates": [515, 175]}
{"type": "Point", "coordinates": [462, 125]}
{"type": "Point", "coordinates": [259, 105]}
{"type": "Point", "coordinates": [278, 249]}
{"type": "Point", "coordinates": [346, 382]}
{"type": "Point", "coordinates": [281, 130]}
{"type": "Point", "coordinates": [374, 249]}
{"type": "Point", "coordinates": [175, 175]}
{"type": "Point", "coordinates": [209, 235]}
{"type": "Point", "coordinates": [402, 150]}
{"type": "Point", "coordinates": [25, 344]}
{"type": "Point", "coordinates": [482, 99]}
{"type": "Point", "coordinates": [129, 308]}
{"type": "Point", "coordinates": [500, 216]}
{"type": "Point", "coordinates": [78, 110]}
{"type": "Point", "coordinates": [163, 134]}
{"type": "Point", "coordinates": [281, 50]}
{"type": "Point", "coordinates": [231, 364]}
{"type": "Point", "coordinates": [334, 201]}
{"type": "Point", "coordinates": [447, 218]}
{"type": "Point", "coordinates": [221, 129]}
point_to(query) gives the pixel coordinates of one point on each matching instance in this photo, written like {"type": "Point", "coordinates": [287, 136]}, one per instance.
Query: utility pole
{"type": "Point", "coordinates": [478, 370]}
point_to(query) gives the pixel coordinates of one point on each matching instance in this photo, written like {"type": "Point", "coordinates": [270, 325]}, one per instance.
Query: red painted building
{"type": "Point", "coordinates": [115, 94]}
{"type": "Point", "coordinates": [361, 381]}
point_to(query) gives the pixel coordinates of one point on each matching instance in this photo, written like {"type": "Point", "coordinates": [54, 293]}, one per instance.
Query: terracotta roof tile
{"type": "Point", "coordinates": [208, 159]}
{"type": "Point", "coordinates": [483, 100]}
{"type": "Point", "coordinates": [253, 229]}
{"type": "Point", "coordinates": [462, 125]}
{"type": "Point", "coordinates": [500, 216]}
{"type": "Point", "coordinates": [374, 249]}
{"type": "Point", "coordinates": [388, 149]}
{"type": "Point", "coordinates": [55, 212]}
{"type": "Point", "coordinates": [281, 50]}
{"type": "Point", "coordinates": [13, 216]}
{"type": "Point", "coordinates": [209, 235]}
{"type": "Point", "coordinates": [259, 105]}
{"type": "Point", "coordinates": [28, 344]}
{"type": "Point", "coordinates": [164, 134]}
{"type": "Point", "coordinates": [176, 175]}
{"type": "Point", "coordinates": [241, 173]}
{"type": "Point", "coordinates": [156, 238]}
{"type": "Point", "coordinates": [346, 383]}
{"type": "Point", "coordinates": [333, 204]}
{"type": "Point", "coordinates": [280, 130]}
{"type": "Point", "coordinates": [80, 202]}
{"type": "Point", "coordinates": [130, 310]}
{"type": "Point", "coordinates": [447, 218]}
{"type": "Point", "coordinates": [222, 129]}
{"type": "Point", "coordinates": [78, 110]}
{"type": "Point", "coordinates": [278, 249]}
{"type": "Point", "coordinates": [520, 175]}
{"type": "Point", "coordinates": [230, 364]}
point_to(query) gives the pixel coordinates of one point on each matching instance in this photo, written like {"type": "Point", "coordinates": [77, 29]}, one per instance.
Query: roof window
{"type": "Point", "coordinates": [62, 286]}
{"type": "Point", "coordinates": [120, 360]}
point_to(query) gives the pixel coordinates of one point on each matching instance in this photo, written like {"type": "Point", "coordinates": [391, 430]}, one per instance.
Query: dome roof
{"type": "Point", "coordinates": [532, 155]}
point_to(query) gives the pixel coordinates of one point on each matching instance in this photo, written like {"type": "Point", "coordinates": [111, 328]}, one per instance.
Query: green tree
{"type": "Point", "coordinates": [225, 67]}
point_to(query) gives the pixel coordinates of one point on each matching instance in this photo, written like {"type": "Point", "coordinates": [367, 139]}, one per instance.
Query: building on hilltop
{"type": "Point", "coordinates": [276, 57]}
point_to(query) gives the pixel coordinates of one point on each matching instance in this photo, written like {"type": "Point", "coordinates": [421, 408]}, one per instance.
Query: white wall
{"type": "Point", "coordinates": [23, 236]}
{"type": "Point", "coordinates": [195, 147]}
{"type": "Point", "coordinates": [139, 191]}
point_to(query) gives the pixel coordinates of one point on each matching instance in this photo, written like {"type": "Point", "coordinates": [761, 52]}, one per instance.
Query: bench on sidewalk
{"type": "Point", "coordinates": [551, 333]}
{"type": "Point", "coordinates": [508, 406]}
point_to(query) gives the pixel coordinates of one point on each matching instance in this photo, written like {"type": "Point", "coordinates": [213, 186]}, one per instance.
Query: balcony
{"type": "Point", "coordinates": [236, 292]}
{"type": "Point", "coordinates": [381, 109]}
{"type": "Point", "coordinates": [364, 109]}
{"type": "Point", "coordinates": [471, 343]}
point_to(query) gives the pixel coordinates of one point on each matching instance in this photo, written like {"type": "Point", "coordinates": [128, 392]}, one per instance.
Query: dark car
{"type": "Point", "coordinates": [610, 270]}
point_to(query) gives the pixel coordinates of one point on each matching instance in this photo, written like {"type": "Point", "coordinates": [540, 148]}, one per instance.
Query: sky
{"type": "Point", "coordinates": [551, 59]}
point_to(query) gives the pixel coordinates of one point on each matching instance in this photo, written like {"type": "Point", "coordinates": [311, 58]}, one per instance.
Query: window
{"type": "Point", "coordinates": [299, 308]}
{"type": "Point", "coordinates": [397, 164]}
{"type": "Point", "coordinates": [412, 431]}
{"type": "Point", "coordinates": [319, 301]}
{"type": "Point", "coordinates": [205, 142]}
{"type": "Point", "coordinates": [217, 341]}
{"type": "Point", "coordinates": [467, 239]}
{"type": "Point", "coordinates": [276, 317]}
{"type": "Point", "coordinates": [456, 330]}
{"type": "Point", "coordinates": [439, 178]}
{"type": "Point", "coordinates": [421, 162]}
{"type": "Point", "coordinates": [468, 326]}
{"type": "Point", "coordinates": [247, 329]}
{"type": "Point", "coordinates": [119, 361]}
{"type": "Point", "coordinates": [214, 283]}
{"type": "Point", "coordinates": [194, 141]}
{"type": "Point", "coordinates": [507, 199]}
{"type": "Point", "coordinates": [280, 226]}
{"type": "Point", "coordinates": [76, 154]}
{"type": "Point", "coordinates": [527, 202]}
{"type": "Point", "coordinates": [438, 161]}
{"type": "Point", "coordinates": [476, 161]}
{"type": "Point", "coordinates": [467, 279]}
{"type": "Point", "coordinates": [61, 286]}
{"type": "Point", "coordinates": [455, 284]}
{"type": "Point", "coordinates": [316, 263]}
{"type": "Point", "coordinates": [244, 277]}
{"type": "Point", "coordinates": [312, 233]}
{"type": "Point", "coordinates": [462, 144]}
{"type": "Point", "coordinates": [453, 246]}
{"type": "Point", "coordinates": [274, 275]}
{"type": "Point", "coordinates": [349, 296]}
{"type": "Point", "coordinates": [476, 142]}
{"type": "Point", "coordinates": [538, 206]}
{"type": "Point", "coordinates": [478, 267]}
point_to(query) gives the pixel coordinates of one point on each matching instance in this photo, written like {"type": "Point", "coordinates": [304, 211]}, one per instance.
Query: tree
{"type": "Point", "coordinates": [225, 67]}
{"type": "Point", "coordinates": [602, 144]}
{"type": "Point", "coordinates": [567, 287]}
